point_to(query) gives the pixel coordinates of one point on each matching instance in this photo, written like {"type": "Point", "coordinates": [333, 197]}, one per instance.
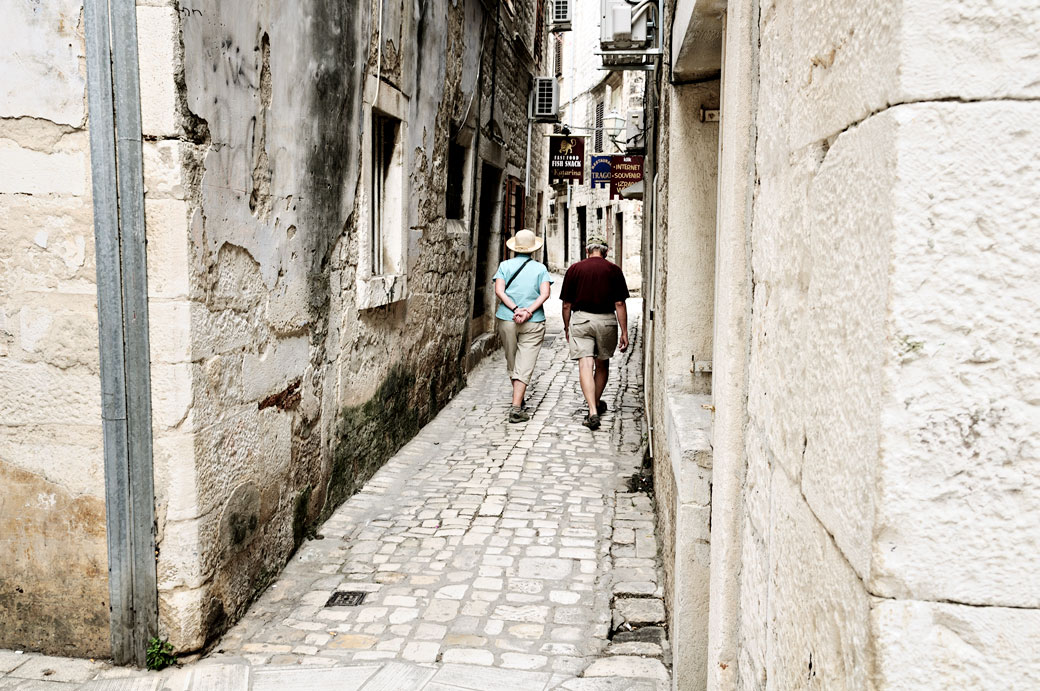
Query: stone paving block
{"type": "Point", "coordinates": [484, 678]}
{"type": "Point", "coordinates": [220, 677]}
{"type": "Point", "coordinates": [57, 669]}
{"type": "Point", "coordinates": [627, 666]}
{"type": "Point", "coordinates": [550, 569]}
{"type": "Point", "coordinates": [602, 684]}
{"type": "Point", "coordinates": [9, 660]}
{"type": "Point", "coordinates": [396, 676]}
{"type": "Point", "coordinates": [312, 679]}
{"type": "Point", "coordinates": [638, 611]}
{"type": "Point", "coordinates": [152, 683]}
{"type": "Point", "coordinates": [635, 648]}
{"type": "Point", "coordinates": [468, 656]}
{"type": "Point", "coordinates": [37, 685]}
{"type": "Point", "coordinates": [635, 588]}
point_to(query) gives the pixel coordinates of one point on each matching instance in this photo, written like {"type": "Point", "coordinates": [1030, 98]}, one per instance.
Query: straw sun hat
{"type": "Point", "coordinates": [524, 241]}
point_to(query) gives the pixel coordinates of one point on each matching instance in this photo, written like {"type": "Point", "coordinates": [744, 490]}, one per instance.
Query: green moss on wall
{"type": "Point", "coordinates": [370, 433]}
{"type": "Point", "coordinates": [299, 525]}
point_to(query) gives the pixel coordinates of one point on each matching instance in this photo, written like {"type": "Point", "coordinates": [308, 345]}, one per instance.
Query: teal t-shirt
{"type": "Point", "coordinates": [527, 286]}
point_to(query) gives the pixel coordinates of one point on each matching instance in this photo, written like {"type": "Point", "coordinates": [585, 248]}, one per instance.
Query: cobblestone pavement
{"type": "Point", "coordinates": [490, 556]}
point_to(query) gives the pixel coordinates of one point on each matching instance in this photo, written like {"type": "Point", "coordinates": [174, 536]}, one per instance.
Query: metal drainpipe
{"type": "Point", "coordinates": [494, 68]}
{"type": "Point", "coordinates": [527, 168]}
{"type": "Point", "coordinates": [113, 92]}
{"type": "Point", "coordinates": [474, 174]}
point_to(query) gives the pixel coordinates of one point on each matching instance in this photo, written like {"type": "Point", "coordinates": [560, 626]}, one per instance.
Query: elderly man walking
{"type": "Point", "coordinates": [594, 293]}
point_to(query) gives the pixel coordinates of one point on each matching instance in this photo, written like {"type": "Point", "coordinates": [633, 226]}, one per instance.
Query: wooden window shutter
{"type": "Point", "coordinates": [599, 127]}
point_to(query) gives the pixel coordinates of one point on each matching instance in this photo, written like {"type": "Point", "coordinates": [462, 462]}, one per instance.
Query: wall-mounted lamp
{"type": "Point", "coordinates": [614, 126]}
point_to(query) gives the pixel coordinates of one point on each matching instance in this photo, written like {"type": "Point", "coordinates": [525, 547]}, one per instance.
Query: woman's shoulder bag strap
{"type": "Point", "coordinates": [513, 277]}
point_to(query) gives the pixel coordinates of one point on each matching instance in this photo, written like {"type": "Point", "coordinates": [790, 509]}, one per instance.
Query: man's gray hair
{"type": "Point", "coordinates": [600, 247]}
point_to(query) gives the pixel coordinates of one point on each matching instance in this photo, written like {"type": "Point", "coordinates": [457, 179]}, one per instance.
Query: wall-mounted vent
{"type": "Point", "coordinates": [561, 15]}
{"type": "Point", "coordinates": [545, 100]}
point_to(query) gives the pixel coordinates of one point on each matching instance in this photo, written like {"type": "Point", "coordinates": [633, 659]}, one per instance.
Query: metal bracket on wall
{"type": "Point", "coordinates": [708, 115]}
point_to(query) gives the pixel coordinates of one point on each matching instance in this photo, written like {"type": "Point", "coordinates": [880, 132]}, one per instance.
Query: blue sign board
{"type": "Point", "coordinates": [600, 171]}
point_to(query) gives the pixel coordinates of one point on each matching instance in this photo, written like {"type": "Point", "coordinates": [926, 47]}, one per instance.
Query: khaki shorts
{"type": "Point", "coordinates": [521, 343]}
{"type": "Point", "coordinates": [593, 335]}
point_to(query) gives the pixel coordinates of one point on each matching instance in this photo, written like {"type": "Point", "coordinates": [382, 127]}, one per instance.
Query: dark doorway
{"type": "Point", "coordinates": [566, 235]}
{"type": "Point", "coordinates": [490, 179]}
{"type": "Point", "coordinates": [619, 238]}
{"type": "Point", "coordinates": [582, 230]}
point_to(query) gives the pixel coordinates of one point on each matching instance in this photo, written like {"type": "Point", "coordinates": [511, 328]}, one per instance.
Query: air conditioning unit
{"type": "Point", "coordinates": [625, 26]}
{"type": "Point", "coordinates": [545, 100]}
{"type": "Point", "coordinates": [560, 20]}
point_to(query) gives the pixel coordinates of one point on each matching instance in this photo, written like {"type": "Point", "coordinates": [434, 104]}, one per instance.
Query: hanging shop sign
{"type": "Point", "coordinates": [624, 171]}
{"type": "Point", "coordinates": [566, 158]}
{"type": "Point", "coordinates": [600, 172]}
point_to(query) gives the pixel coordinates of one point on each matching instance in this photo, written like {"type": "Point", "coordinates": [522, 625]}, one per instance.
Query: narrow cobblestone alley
{"type": "Point", "coordinates": [490, 556]}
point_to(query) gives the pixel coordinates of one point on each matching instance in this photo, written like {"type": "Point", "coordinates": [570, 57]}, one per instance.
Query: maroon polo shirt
{"type": "Point", "coordinates": [594, 285]}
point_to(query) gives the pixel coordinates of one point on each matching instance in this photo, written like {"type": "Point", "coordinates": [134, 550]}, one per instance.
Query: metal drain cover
{"type": "Point", "coordinates": [346, 598]}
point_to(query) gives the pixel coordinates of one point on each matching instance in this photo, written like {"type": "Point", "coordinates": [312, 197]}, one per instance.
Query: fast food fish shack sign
{"type": "Point", "coordinates": [624, 172]}
{"type": "Point", "coordinates": [566, 158]}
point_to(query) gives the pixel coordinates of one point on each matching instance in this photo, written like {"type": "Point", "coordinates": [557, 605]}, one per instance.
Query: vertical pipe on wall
{"type": "Point", "coordinates": [527, 169]}
{"type": "Point", "coordinates": [110, 323]}
{"type": "Point", "coordinates": [117, 178]}
{"type": "Point", "coordinates": [129, 160]}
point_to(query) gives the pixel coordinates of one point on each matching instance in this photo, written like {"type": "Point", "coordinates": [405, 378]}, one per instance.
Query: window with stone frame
{"type": "Point", "coordinates": [514, 208]}
{"type": "Point", "coordinates": [387, 195]}
{"type": "Point", "coordinates": [455, 191]}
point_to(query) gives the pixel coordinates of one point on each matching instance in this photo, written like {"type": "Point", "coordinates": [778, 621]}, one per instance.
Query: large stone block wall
{"type": "Point", "coordinates": [890, 526]}
{"type": "Point", "coordinates": [52, 442]}
{"type": "Point", "coordinates": [52, 512]}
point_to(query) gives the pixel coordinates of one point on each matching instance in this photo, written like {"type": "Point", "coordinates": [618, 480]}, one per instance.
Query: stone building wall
{"type": "Point", "coordinates": [53, 516]}
{"type": "Point", "coordinates": [285, 368]}
{"type": "Point", "coordinates": [884, 518]}
{"type": "Point", "coordinates": [889, 415]}
{"type": "Point", "coordinates": [51, 466]}
{"type": "Point", "coordinates": [328, 367]}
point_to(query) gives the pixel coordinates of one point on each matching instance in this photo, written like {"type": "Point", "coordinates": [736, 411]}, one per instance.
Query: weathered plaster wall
{"type": "Point", "coordinates": [52, 514]}
{"type": "Point", "coordinates": [300, 389]}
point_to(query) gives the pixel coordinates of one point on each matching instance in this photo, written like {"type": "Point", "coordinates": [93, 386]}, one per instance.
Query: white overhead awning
{"type": "Point", "coordinates": [633, 191]}
{"type": "Point", "coordinates": [697, 39]}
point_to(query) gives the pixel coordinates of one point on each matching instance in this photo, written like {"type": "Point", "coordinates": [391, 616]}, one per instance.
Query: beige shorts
{"type": "Point", "coordinates": [521, 343]}
{"type": "Point", "coordinates": [593, 335]}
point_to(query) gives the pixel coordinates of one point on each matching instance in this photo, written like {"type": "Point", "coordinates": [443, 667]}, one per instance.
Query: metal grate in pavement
{"type": "Point", "coordinates": [346, 598]}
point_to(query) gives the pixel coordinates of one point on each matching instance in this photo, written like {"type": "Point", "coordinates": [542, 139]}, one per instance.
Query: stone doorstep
{"type": "Point", "coordinates": [629, 667]}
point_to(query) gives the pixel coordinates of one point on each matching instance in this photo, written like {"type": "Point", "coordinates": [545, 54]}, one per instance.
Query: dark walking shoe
{"type": "Point", "coordinates": [517, 414]}
{"type": "Point", "coordinates": [592, 422]}
{"type": "Point", "coordinates": [601, 408]}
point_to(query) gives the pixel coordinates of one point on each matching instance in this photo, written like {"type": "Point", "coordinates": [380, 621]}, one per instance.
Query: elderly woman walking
{"type": "Point", "coordinates": [522, 284]}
